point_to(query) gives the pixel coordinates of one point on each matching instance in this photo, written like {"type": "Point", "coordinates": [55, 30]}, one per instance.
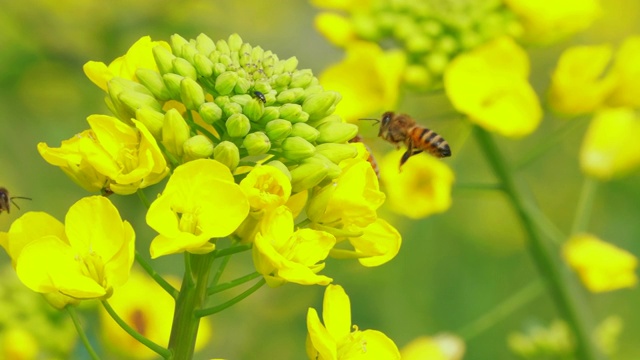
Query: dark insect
{"type": "Point", "coordinates": [5, 200]}
{"type": "Point", "coordinates": [260, 96]}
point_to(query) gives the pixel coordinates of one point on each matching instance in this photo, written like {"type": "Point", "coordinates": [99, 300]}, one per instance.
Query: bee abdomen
{"type": "Point", "coordinates": [429, 141]}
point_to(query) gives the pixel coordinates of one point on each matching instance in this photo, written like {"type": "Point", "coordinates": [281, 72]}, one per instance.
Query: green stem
{"type": "Point", "coordinates": [235, 300]}
{"type": "Point", "coordinates": [143, 197]}
{"type": "Point", "coordinates": [231, 284]}
{"type": "Point", "coordinates": [549, 143]}
{"type": "Point", "coordinates": [193, 294]}
{"type": "Point", "coordinates": [159, 279]}
{"type": "Point", "coordinates": [548, 265]}
{"type": "Point", "coordinates": [477, 187]}
{"type": "Point", "coordinates": [233, 250]}
{"type": "Point", "coordinates": [136, 335]}
{"type": "Point", "coordinates": [83, 336]}
{"type": "Point", "coordinates": [218, 274]}
{"type": "Point", "coordinates": [501, 311]}
{"type": "Point", "coordinates": [585, 205]}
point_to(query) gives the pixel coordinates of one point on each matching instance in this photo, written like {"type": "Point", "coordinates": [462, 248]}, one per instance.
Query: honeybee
{"type": "Point", "coordinates": [402, 128]}
{"type": "Point", "coordinates": [5, 199]}
{"type": "Point", "coordinates": [370, 159]}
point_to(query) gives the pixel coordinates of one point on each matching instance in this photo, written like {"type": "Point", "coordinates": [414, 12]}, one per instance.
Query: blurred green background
{"type": "Point", "coordinates": [452, 268]}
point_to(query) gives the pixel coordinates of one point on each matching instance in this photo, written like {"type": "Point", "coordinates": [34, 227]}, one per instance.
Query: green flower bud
{"type": "Point", "coordinates": [280, 166]}
{"type": "Point", "coordinates": [419, 43]}
{"type": "Point", "coordinates": [226, 82]}
{"type": "Point", "coordinates": [262, 85]}
{"type": "Point", "coordinates": [301, 78]}
{"type": "Point", "coordinates": [242, 86]}
{"type": "Point", "coordinates": [336, 152]}
{"type": "Point", "coordinates": [241, 99]}
{"type": "Point", "coordinates": [326, 119]}
{"type": "Point", "coordinates": [222, 47]}
{"type": "Point", "coordinates": [227, 153]}
{"type": "Point", "coordinates": [177, 42]}
{"type": "Point", "coordinates": [291, 64]}
{"type": "Point", "coordinates": [313, 89]}
{"type": "Point", "coordinates": [269, 113]}
{"type": "Point", "coordinates": [218, 69]}
{"type": "Point", "coordinates": [152, 119]}
{"type": "Point", "coordinates": [210, 112]}
{"type": "Point", "coordinates": [293, 113]}
{"type": "Point", "coordinates": [256, 143]}
{"type": "Point", "coordinates": [164, 59]}
{"type": "Point", "coordinates": [235, 42]}
{"type": "Point", "coordinates": [296, 148]}
{"type": "Point", "coordinates": [306, 176]}
{"type": "Point", "coordinates": [153, 81]}
{"type": "Point", "coordinates": [418, 77]}
{"type": "Point", "coordinates": [134, 101]}
{"type": "Point", "coordinates": [197, 147]}
{"type": "Point", "coordinates": [225, 59]}
{"type": "Point", "coordinates": [305, 131]}
{"type": "Point", "coordinates": [118, 85]}
{"type": "Point", "coordinates": [172, 81]}
{"type": "Point", "coordinates": [257, 53]}
{"type": "Point", "coordinates": [191, 93]}
{"type": "Point", "coordinates": [293, 95]}
{"type": "Point", "coordinates": [245, 55]}
{"type": "Point", "coordinates": [204, 44]}
{"type": "Point", "coordinates": [184, 68]}
{"type": "Point", "coordinates": [432, 27]}
{"type": "Point", "coordinates": [436, 62]}
{"type": "Point", "coordinates": [189, 53]}
{"type": "Point", "coordinates": [281, 81]}
{"type": "Point", "coordinates": [320, 105]}
{"type": "Point", "coordinates": [222, 100]}
{"type": "Point", "coordinates": [175, 132]}
{"type": "Point", "coordinates": [336, 132]}
{"type": "Point", "coordinates": [333, 170]}
{"type": "Point", "coordinates": [447, 44]}
{"type": "Point", "coordinates": [238, 125]}
{"type": "Point", "coordinates": [203, 65]}
{"type": "Point", "coordinates": [365, 25]}
{"type": "Point", "coordinates": [278, 129]}
{"type": "Point", "coordinates": [253, 109]}
{"type": "Point", "coordinates": [231, 108]}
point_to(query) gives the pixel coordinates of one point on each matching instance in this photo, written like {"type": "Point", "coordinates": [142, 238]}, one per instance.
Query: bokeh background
{"type": "Point", "coordinates": [452, 268]}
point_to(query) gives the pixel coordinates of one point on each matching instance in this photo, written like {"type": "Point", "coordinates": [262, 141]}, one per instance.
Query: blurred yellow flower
{"type": "Point", "coordinates": [17, 343]}
{"type": "Point", "coordinates": [334, 340]}
{"type": "Point", "coordinates": [626, 69]}
{"type": "Point", "coordinates": [547, 21]}
{"type": "Point", "coordinates": [579, 84]}
{"type": "Point", "coordinates": [600, 265]}
{"type": "Point", "coordinates": [152, 319]}
{"type": "Point", "coordinates": [200, 202]}
{"type": "Point", "coordinates": [610, 146]}
{"type": "Point", "coordinates": [122, 157]}
{"type": "Point", "coordinates": [336, 28]}
{"type": "Point", "coordinates": [266, 188]}
{"type": "Point", "coordinates": [282, 255]}
{"type": "Point", "coordinates": [346, 5]}
{"type": "Point", "coordinates": [140, 55]}
{"type": "Point", "coordinates": [439, 347]}
{"type": "Point", "coordinates": [83, 259]}
{"type": "Point", "coordinates": [368, 79]}
{"type": "Point", "coordinates": [490, 85]}
{"type": "Point", "coordinates": [422, 188]}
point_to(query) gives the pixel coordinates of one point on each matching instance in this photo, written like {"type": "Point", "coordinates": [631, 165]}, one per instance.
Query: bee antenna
{"type": "Point", "coordinates": [18, 197]}
{"type": "Point", "coordinates": [375, 121]}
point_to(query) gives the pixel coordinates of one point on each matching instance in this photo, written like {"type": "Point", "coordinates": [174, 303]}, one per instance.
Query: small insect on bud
{"type": "Point", "coordinates": [260, 96]}
{"type": "Point", "coordinates": [5, 199]}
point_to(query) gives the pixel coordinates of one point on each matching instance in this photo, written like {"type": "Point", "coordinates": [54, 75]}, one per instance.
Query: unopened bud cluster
{"type": "Point", "coordinates": [236, 103]}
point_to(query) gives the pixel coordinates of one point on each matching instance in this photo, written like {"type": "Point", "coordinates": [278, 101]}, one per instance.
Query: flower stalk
{"type": "Point", "coordinates": [559, 286]}
{"type": "Point", "coordinates": [83, 336]}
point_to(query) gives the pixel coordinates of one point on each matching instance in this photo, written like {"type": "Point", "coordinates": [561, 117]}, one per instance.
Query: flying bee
{"type": "Point", "coordinates": [402, 128]}
{"type": "Point", "coordinates": [370, 159]}
{"type": "Point", "coordinates": [5, 199]}
{"type": "Point", "coordinates": [260, 96]}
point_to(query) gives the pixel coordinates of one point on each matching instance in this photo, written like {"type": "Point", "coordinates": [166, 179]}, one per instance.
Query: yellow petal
{"type": "Point", "coordinates": [30, 227]}
{"type": "Point", "coordinates": [626, 68]}
{"type": "Point", "coordinates": [381, 240]}
{"type": "Point", "coordinates": [336, 312]}
{"type": "Point", "coordinates": [322, 342]}
{"type": "Point", "coordinates": [377, 345]}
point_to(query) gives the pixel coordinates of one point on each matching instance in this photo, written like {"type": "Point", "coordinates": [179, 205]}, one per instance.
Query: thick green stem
{"type": "Point", "coordinates": [193, 295]}
{"type": "Point", "coordinates": [547, 263]}
{"type": "Point", "coordinates": [585, 204]}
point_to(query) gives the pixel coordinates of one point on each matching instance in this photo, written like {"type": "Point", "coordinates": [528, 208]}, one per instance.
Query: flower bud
{"type": "Point", "coordinates": [296, 148]}
{"type": "Point", "coordinates": [242, 99]}
{"type": "Point", "coordinates": [197, 147]}
{"type": "Point", "coordinates": [293, 113]}
{"type": "Point", "coordinates": [253, 109]}
{"type": "Point", "coordinates": [278, 129]}
{"type": "Point", "coordinates": [292, 95]}
{"type": "Point", "coordinates": [175, 132]}
{"type": "Point", "coordinates": [183, 67]}
{"type": "Point", "coordinates": [191, 93]}
{"type": "Point", "coordinates": [204, 44]}
{"type": "Point", "coordinates": [269, 113]}
{"type": "Point", "coordinates": [301, 78]}
{"type": "Point", "coordinates": [305, 131]}
{"type": "Point", "coordinates": [152, 119]}
{"type": "Point", "coordinates": [282, 81]}
{"type": "Point", "coordinates": [418, 77]}
{"type": "Point", "coordinates": [118, 85]}
{"type": "Point", "coordinates": [203, 65]}
{"type": "Point", "coordinates": [189, 53]}
{"type": "Point", "coordinates": [242, 86]}
{"type": "Point", "coordinates": [172, 81]}
{"type": "Point", "coordinates": [222, 47]}
{"type": "Point", "coordinates": [317, 204]}
{"type": "Point", "coordinates": [235, 42]}
{"type": "Point", "coordinates": [231, 108]}
{"type": "Point", "coordinates": [291, 64]}
{"type": "Point", "coordinates": [227, 153]}
{"type": "Point", "coordinates": [153, 81]}
{"type": "Point", "coordinates": [164, 59]}
{"type": "Point", "coordinates": [135, 100]}
{"type": "Point", "coordinates": [333, 170]}
{"type": "Point", "coordinates": [280, 166]}
{"type": "Point", "coordinates": [327, 119]}
{"type": "Point", "coordinates": [336, 132]}
{"type": "Point", "coordinates": [177, 42]}
{"type": "Point", "coordinates": [257, 143]}
{"type": "Point", "coordinates": [226, 82]}
{"type": "Point", "coordinates": [238, 125]}
{"type": "Point", "coordinates": [210, 112]}
{"type": "Point", "coordinates": [320, 105]}
{"type": "Point", "coordinates": [337, 152]}
{"type": "Point", "coordinates": [306, 176]}
{"type": "Point", "coordinates": [218, 68]}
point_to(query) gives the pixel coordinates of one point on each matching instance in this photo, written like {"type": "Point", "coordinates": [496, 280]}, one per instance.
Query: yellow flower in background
{"type": "Point", "coordinates": [200, 202]}
{"type": "Point", "coordinates": [579, 84]}
{"type": "Point", "coordinates": [335, 28]}
{"type": "Point", "coordinates": [439, 347]}
{"type": "Point", "coordinates": [152, 319]}
{"type": "Point", "coordinates": [140, 55]}
{"type": "Point", "coordinates": [266, 188]}
{"type": "Point", "coordinates": [346, 5]}
{"type": "Point", "coordinates": [489, 84]}
{"type": "Point", "coordinates": [368, 79]}
{"type": "Point", "coordinates": [282, 255]}
{"type": "Point", "coordinates": [610, 147]}
{"type": "Point", "coordinates": [600, 265]}
{"type": "Point", "coordinates": [422, 188]}
{"type": "Point", "coordinates": [83, 259]}
{"type": "Point", "coordinates": [335, 339]}
{"type": "Point", "coordinates": [626, 68]}
{"type": "Point", "coordinates": [124, 158]}
{"type": "Point", "coordinates": [18, 344]}
{"type": "Point", "coordinates": [552, 20]}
